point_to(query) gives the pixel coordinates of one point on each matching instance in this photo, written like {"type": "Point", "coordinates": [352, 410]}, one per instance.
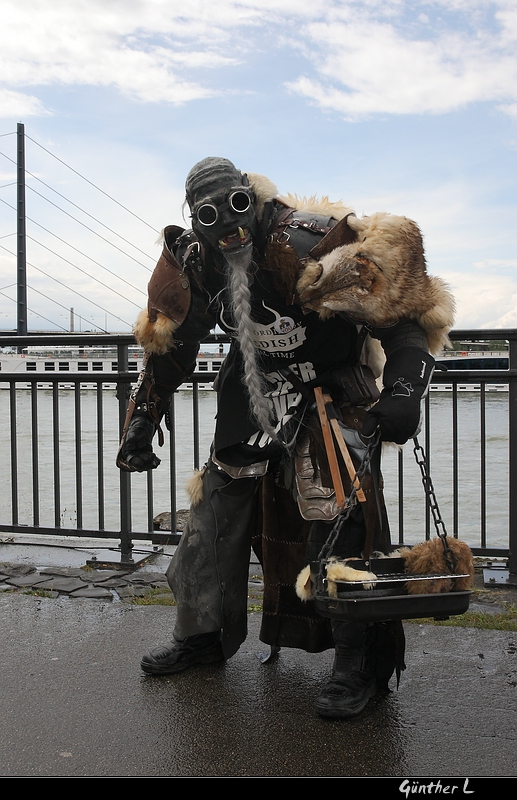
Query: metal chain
{"type": "Point", "coordinates": [345, 512]}
{"type": "Point", "coordinates": [439, 524]}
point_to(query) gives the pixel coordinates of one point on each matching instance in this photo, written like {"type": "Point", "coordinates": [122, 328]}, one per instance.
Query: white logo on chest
{"type": "Point", "coordinates": [280, 337]}
{"type": "Point", "coordinates": [283, 335]}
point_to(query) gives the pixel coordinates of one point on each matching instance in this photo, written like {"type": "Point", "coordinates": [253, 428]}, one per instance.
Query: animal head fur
{"type": "Point", "coordinates": [380, 278]}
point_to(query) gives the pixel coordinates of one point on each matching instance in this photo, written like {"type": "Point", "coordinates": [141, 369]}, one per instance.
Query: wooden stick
{"type": "Point", "coordinates": [348, 460]}
{"type": "Point", "coordinates": [329, 447]}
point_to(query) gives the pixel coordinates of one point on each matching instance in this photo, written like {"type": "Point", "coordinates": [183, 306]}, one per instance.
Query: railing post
{"type": "Point", "coordinates": [35, 456]}
{"type": "Point", "coordinates": [173, 465]}
{"type": "Point", "coordinates": [126, 544]}
{"type": "Point", "coordinates": [512, 471]}
{"type": "Point", "coordinates": [14, 456]}
{"type": "Point", "coordinates": [21, 316]}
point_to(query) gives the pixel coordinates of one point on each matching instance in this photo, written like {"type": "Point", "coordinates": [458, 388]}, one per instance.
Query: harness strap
{"type": "Point", "coordinates": [280, 223]}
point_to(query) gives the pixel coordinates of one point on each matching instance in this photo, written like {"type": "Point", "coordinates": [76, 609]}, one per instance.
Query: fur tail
{"type": "Point", "coordinates": [194, 486]}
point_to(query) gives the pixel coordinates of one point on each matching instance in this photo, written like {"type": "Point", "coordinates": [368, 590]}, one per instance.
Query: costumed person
{"type": "Point", "coordinates": [267, 483]}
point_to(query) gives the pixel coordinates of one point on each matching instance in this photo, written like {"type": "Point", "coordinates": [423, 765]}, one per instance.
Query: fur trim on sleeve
{"type": "Point", "coordinates": [155, 337]}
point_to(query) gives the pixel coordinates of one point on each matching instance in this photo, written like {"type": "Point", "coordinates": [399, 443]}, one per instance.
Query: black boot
{"type": "Point", "coordinates": [353, 681]}
{"type": "Point", "coordinates": [180, 655]}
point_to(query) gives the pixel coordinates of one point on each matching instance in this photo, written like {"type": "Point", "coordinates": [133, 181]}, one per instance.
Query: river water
{"type": "Point", "coordinates": [92, 441]}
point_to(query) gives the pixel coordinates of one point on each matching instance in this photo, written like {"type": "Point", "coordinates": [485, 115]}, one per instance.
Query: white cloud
{"type": "Point", "coordinates": [510, 109]}
{"type": "Point", "coordinates": [368, 66]}
{"type": "Point", "coordinates": [143, 49]}
{"type": "Point", "coordinates": [19, 105]}
{"type": "Point", "coordinates": [496, 264]}
{"type": "Point", "coordinates": [377, 57]}
{"type": "Point", "coordinates": [483, 301]}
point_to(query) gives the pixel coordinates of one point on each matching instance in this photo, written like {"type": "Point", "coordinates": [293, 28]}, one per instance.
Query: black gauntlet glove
{"type": "Point", "coordinates": [136, 452]}
{"type": "Point", "coordinates": [406, 378]}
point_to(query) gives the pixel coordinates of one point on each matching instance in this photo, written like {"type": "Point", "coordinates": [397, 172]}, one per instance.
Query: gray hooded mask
{"type": "Point", "coordinates": [222, 205]}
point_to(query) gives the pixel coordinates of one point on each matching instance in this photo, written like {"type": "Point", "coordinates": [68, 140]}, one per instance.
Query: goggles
{"type": "Point", "coordinates": [208, 213]}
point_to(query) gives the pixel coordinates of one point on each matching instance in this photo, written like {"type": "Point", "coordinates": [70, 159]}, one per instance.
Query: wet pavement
{"type": "Point", "coordinates": [76, 704]}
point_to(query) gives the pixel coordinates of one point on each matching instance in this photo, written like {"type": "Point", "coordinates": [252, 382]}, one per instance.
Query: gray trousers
{"type": "Point", "coordinates": [209, 572]}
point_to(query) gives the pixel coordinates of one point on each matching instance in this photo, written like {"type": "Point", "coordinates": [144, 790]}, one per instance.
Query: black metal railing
{"type": "Point", "coordinates": [58, 451]}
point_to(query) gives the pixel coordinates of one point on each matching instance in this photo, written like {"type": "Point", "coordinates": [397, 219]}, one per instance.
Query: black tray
{"type": "Point", "coordinates": [376, 607]}
{"type": "Point", "coordinates": [390, 599]}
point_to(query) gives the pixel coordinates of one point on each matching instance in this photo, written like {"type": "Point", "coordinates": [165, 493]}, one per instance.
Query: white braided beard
{"type": "Point", "coordinates": [239, 284]}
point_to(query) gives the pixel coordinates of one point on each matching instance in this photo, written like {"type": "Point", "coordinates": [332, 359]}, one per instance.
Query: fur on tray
{"type": "Point", "coordinates": [425, 558]}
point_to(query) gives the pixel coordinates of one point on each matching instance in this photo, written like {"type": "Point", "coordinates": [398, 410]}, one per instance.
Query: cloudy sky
{"type": "Point", "coordinates": [388, 105]}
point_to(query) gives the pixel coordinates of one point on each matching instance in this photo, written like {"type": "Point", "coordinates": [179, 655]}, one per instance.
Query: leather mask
{"type": "Point", "coordinates": [222, 205]}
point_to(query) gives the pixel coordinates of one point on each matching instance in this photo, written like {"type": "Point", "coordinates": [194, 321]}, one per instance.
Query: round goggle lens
{"type": "Point", "coordinates": [240, 201]}
{"type": "Point", "coordinates": [207, 214]}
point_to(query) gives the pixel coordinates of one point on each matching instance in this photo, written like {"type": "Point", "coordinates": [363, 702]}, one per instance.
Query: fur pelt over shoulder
{"type": "Point", "coordinates": [380, 278]}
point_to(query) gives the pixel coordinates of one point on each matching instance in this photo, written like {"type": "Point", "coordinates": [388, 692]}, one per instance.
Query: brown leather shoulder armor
{"type": "Point", "coordinates": [169, 287]}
